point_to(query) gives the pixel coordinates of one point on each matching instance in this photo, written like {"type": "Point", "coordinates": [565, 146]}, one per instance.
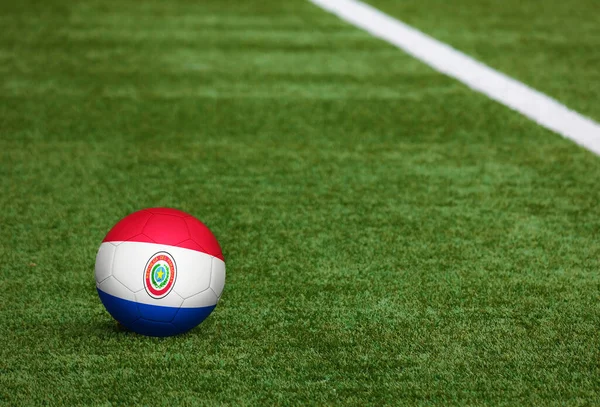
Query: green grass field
{"type": "Point", "coordinates": [391, 237]}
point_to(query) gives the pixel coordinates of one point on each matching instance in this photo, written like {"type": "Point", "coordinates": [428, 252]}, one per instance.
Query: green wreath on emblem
{"type": "Point", "coordinates": [153, 276]}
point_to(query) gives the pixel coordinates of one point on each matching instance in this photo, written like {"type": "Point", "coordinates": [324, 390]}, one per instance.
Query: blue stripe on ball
{"type": "Point", "coordinates": [153, 320]}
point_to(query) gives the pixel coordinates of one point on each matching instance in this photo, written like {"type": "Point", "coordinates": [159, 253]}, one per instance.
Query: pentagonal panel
{"type": "Point", "coordinates": [166, 229]}
{"type": "Point", "coordinates": [104, 260]}
{"type": "Point", "coordinates": [206, 298]}
{"type": "Point", "coordinates": [193, 272]}
{"type": "Point", "coordinates": [130, 263]}
{"type": "Point", "coordinates": [217, 279]}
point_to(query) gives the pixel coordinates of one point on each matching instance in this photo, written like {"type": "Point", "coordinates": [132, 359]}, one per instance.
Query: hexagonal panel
{"type": "Point", "coordinates": [192, 245]}
{"type": "Point", "coordinates": [118, 301]}
{"type": "Point", "coordinates": [116, 289]}
{"type": "Point", "coordinates": [104, 261]}
{"type": "Point", "coordinates": [128, 227]}
{"type": "Point", "coordinates": [166, 229]}
{"type": "Point", "coordinates": [206, 298]}
{"type": "Point", "coordinates": [217, 280]}
{"type": "Point", "coordinates": [168, 211]}
{"type": "Point", "coordinates": [154, 328]}
{"type": "Point", "coordinates": [163, 310]}
{"type": "Point", "coordinates": [139, 238]}
{"type": "Point", "coordinates": [193, 272]}
{"type": "Point", "coordinates": [130, 262]}
{"type": "Point", "coordinates": [171, 300]}
{"type": "Point", "coordinates": [204, 237]}
{"type": "Point", "coordinates": [188, 318]}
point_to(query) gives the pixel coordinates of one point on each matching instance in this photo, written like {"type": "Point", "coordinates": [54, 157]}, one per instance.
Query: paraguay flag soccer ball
{"type": "Point", "coordinates": [160, 272]}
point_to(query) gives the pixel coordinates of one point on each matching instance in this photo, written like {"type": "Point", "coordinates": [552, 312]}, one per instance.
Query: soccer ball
{"type": "Point", "coordinates": [160, 272]}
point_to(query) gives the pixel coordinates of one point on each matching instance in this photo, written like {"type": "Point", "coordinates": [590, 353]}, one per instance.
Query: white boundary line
{"type": "Point", "coordinates": [531, 103]}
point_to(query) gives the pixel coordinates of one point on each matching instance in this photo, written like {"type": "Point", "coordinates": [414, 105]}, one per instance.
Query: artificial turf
{"type": "Point", "coordinates": [390, 236]}
{"type": "Point", "coordinates": [550, 45]}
